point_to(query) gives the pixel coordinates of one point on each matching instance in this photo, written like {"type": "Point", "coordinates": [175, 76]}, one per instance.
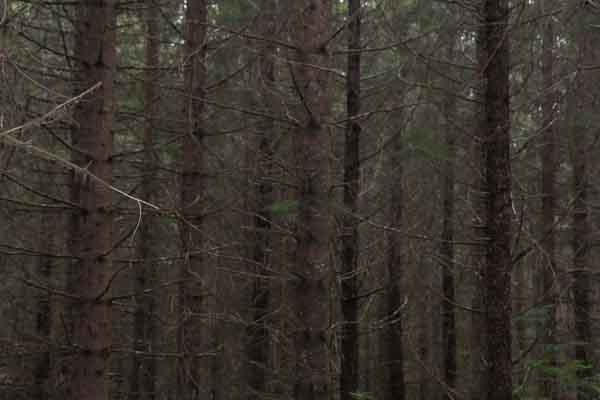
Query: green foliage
{"type": "Point", "coordinates": [554, 364]}
{"type": "Point", "coordinates": [283, 208]}
{"type": "Point", "coordinates": [568, 375]}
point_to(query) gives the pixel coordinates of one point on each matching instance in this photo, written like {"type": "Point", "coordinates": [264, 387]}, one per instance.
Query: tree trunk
{"type": "Point", "coordinates": [477, 334]}
{"type": "Point", "coordinates": [258, 349]}
{"type": "Point", "coordinates": [143, 369]}
{"type": "Point", "coordinates": [195, 297]}
{"type": "Point", "coordinates": [581, 247]}
{"type": "Point", "coordinates": [350, 238]}
{"type": "Point", "coordinates": [582, 105]}
{"type": "Point", "coordinates": [393, 342]}
{"type": "Point", "coordinates": [447, 247]}
{"type": "Point", "coordinates": [548, 289]}
{"type": "Point", "coordinates": [44, 312]}
{"type": "Point", "coordinates": [309, 289]}
{"type": "Point", "coordinates": [496, 146]}
{"type": "Point", "coordinates": [91, 236]}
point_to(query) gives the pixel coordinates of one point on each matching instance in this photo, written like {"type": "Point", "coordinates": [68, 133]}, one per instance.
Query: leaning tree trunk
{"type": "Point", "coordinates": [143, 368]}
{"type": "Point", "coordinates": [350, 239]}
{"type": "Point", "coordinates": [91, 235]}
{"type": "Point", "coordinates": [309, 289]}
{"type": "Point", "coordinates": [194, 373]}
{"type": "Point", "coordinates": [496, 147]}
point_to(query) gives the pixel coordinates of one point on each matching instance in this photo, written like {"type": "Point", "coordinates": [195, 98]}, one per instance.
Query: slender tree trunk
{"type": "Point", "coordinates": [581, 108]}
{"type": "Point", "coordinates": [143, 370]}
{"type": "Point", "coordinates": [449, 334]}
{"type": "Point", "coordinates": [44, 312]}
{"type": "Point", "coordinates": [581, 246]}
{"type": "Point", "coordinates": [194, 375]}
{"type": "Point", "coordinates": [498, 260]}
{"type": "Point", "coordinates": [393, 342]}
{"type": "Point", "coordinates": [50, 224]}
{"type": "Point", "coordinates": [259, 331]}
{"type": "Point", "coordinates": [548, 289]}
{"type": "Point", "coordinates": [447, 247]}
{"type": "Point", "coordinates": [350, 237]}
{"type": "Point", "coordinates": [477, 339]}
{"type": "Point", "coordinates": [92, 234]}
{"type": "Point", "coordinates": [309, 289]}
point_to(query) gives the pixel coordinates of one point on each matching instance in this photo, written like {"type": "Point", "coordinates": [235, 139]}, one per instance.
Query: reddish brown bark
{"type": "Point", "coordinates": [91, 236]}
{"type": "Point", "coordinates": [309, 289]}
{"type": "Point", "coordinates": [143, 369]}
{"type": "Point", "coordinates": [195, 298]}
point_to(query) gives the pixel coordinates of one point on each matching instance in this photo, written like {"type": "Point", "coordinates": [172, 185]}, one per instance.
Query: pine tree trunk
{"type": "Point", "coordinates": [91, 236]}
{"type": "Point", "coordinates": [581, 107]}
{"type": "Point", "coordinates": [496, 146]}
{"type": "Point", "coordinates": [309, 289]}
{"type": "Point", "coordinates": [350, 237]}
{"type": "Point", "coordinates": [195, 297]}
{"type": "Point", "coordinates": [548, 290]}
{"type": "Point", "coordinates": [477, 334]}
{"type": "Point", "coordinates": [258, 349]}
{"type": "Point", "coordinates": [44, 312]}
{"type": "Point", "coordinates": [395, 388]}
{"type": "Point", "coordinates": [143, 369]}
{"type": "Point", "coordinates": [447, 247]}
{"type": "Point", "coordinates": [580, 244]}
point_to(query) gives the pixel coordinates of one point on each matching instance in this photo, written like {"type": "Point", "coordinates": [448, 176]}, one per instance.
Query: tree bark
{"type": "Point", "coordinates": [143, 369]}
{"type": "Point", "coordinates": [91, 236]}
{"type": "Point", "coordinates": [44, 312]}
{"type": "Point", "coordinates": [309, 288]}
{"type": "Point", "coordinates": [195, 297]}
{"type": "Point", "coordinates": [548, 290]}
{"type": "Point", "coordinates": [258, 349]}
{"type": "Point", "coordinates": [582, 105]}
{"type": "Point", "coordinates": [447, 247]}
{"type": "Point", "coordinates": [477, 339]}
{"type": "Point", "coordinates": [496, 146]}
{"type": "Point", "coordinates": [393, 341]}
{"type": "Point", "coordinates": [581, 247]}
{"type": "Point", "coordinates": [350, 236]}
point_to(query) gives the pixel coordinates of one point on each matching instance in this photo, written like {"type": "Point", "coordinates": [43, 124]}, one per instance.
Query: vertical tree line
{"type": "Point", "coordinates": [195, 292]}
{"type": "Point", "coordinates": [311, 275]}
{"type": "Point", "coordinates": [349, 278]}
{"type": "Point", "coordinates": [92, 237]}
{"type": "Point", "coordinates": [498, 200]}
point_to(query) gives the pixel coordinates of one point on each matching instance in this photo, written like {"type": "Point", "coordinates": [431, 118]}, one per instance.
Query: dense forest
{"type": "Point", "coordinates": [299, 199]}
